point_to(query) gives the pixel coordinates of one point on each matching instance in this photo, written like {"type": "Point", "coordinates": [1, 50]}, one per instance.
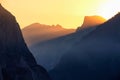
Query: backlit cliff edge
{"type": "Point", "coordinates": [16, 61]}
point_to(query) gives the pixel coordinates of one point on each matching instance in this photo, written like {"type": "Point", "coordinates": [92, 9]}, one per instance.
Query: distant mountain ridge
{"type": "Point", "coordinates": [36, 32]}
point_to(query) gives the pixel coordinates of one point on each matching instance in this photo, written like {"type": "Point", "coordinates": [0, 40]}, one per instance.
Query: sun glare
{"type": "Point", "coordinates": [109, 9]}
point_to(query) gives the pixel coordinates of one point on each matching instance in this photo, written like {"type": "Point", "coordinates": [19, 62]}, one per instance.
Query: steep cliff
{"type": "Point", "coordinates": [91, 22]}
{"type": "Point", "coordinates": [16, 61]}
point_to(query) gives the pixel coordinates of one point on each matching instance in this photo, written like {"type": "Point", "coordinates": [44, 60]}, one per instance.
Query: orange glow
{"type": "Point", "coordinates": [68, 13]}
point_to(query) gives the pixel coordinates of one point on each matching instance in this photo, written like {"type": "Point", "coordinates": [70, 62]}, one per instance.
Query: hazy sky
{"type": "Point", "coordinates": [68, 13]}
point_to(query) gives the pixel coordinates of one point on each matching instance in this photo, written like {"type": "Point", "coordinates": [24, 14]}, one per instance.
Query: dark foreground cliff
{"type": "Point", "coordinates": [16, 61]}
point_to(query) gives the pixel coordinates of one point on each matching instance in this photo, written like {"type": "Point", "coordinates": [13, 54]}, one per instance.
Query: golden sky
{"type": "Point", "coordinates": [68, 13]}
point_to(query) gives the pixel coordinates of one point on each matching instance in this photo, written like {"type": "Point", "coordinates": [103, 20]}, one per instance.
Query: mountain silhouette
{"type": "Point", "coordinates": [46, 53]}
{"type": "Point", "coordinates": [36, 33]}
{"type": "Point", "coordinates": [91, 21]}
{"type": "Point", "coordinates": [16, 61]}
{"type": "Point", "coordinates": [95, 57]}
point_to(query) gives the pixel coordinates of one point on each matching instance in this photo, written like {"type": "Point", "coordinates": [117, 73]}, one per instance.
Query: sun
{"type": "Point", "coordinates": [109, 8]}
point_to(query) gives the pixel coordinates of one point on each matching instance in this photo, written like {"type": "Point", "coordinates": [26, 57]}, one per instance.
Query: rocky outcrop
{"type": "Point", "coordinates": [16, 61]}
{"type": "Point", "coordinates": [91, 21]}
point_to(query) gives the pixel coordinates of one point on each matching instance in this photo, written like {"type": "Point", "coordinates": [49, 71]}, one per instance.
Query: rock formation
{"type": "Point", "coordinates": [91, 22]}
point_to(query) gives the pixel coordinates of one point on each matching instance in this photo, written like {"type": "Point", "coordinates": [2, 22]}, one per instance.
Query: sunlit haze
{"type": "Point", "coordinates": [68, 13]}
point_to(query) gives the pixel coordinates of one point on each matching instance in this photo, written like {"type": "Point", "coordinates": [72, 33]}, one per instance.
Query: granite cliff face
{"type": "Point", "coordinates": [91, 22]}
{"type": "Point", "coordinates": [16, 61]}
